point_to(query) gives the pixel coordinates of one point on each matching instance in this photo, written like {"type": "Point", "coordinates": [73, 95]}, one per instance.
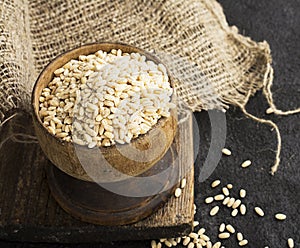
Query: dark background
{"type": "Point", "coordinates": [278, 22]}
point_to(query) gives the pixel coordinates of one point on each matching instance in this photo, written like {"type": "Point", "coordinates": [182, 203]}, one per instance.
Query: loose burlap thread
{"type": "Point", "coordinates": [214, 66]}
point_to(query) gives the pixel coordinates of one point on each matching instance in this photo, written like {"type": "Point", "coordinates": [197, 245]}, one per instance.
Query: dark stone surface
{"type": "Point", "coordinates": [278, 22]}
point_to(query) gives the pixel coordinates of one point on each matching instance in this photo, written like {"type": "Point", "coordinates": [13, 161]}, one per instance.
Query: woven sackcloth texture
{"type": "Point", "coordinates": [213, 64]}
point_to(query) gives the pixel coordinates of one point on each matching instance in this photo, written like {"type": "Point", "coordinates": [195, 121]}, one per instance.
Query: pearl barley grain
{"type": "Point", "coordinates": [168, 243]}
{"type": "Point", "coordinates": [259, 211]}
{"type": "Point", "coordinates": [222, 227]}
{"type": "Point", "coordinates": [214, 211]}
{"type": "Point", "coordinates": [196, 223]}
{"type": "Point", "coordinates": [234, 212]}
{"type": "Point", "coordinates": [209, 244]}
{"type": "Point", "coordinates": [70, 96]}
{"type": "Point", "coordinates": [226, 151]}
{"type": "Point", "coordinates": [239, 236]}
{"type": "Point", "coordinates": [193, 235]}
{"type": "Point", "coordinates": [209, 200]}
{"type": "Point", "coordinates": [291, 243]}
{"type": "Point", "coordinates": [236, 204]}
{"type": "Point", "coordinates": [280, 216]}
{"type": "Point", "coordinates": [173, 242]}
{"type": "Point", "coordinates": [191, 245]}
{"type": "Point", "coordinates": [217, 245]}
{"type": "Point", "coordinates": [224, 235]}
{"type": "Point", "coordinates": [202, 242]}
{"type": "Point", "coordinates": [226, 200]}
{"type": "Point", "coordinates": [201, 231]}
{"type": "Point", "coordinates": [243, 209]}
{"type": "Point", "coordinates": [229, 186]}
{"type": "Point", "coordinates": [243, 242]}
{"type": "Point", "coordinates": [246, 163]}
{"type": "Point", "coordinates": [178, 192]}
{"type": "Point", "coordinates": [242, 193]}
{"type": "Point", "coordinates": [204, 237]}
{"type": "Point", "coordinates": [186, 241]}
{"type": "Point", "coordinates": [215, 183]}
{"type": "Point", "coordinates": [219, 197]}
{"type": "Point", "coordinates": [153, 244]}
{"type": "Point", "coordinates": [231, 202]}
{"type": "Point", "coordinates": [183, 183]}
{"type": "Point", "coordinates": [225, 191]}
{"type": "Point", "coordinates": [230, 228]}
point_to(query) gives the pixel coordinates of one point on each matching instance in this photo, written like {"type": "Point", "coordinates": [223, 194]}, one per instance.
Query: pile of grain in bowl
{"type": "Point", "coordinates": [104, 98]}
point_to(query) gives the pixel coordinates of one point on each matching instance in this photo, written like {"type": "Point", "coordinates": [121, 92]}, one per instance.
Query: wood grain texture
{"type": "Point", "coordinates": [30, 213]}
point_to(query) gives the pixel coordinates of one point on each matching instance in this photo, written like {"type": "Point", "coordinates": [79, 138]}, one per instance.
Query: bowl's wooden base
{"type": "Point", "coordinates": [88, 201]}
{"type": "Point", "coordinates": [30, 213]}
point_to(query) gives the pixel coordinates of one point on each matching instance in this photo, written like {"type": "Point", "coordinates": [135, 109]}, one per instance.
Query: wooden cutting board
{"type": "Point", "coordinates": [28, 212]}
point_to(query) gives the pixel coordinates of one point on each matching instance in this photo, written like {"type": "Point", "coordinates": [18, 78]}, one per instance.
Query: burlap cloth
{"type": "Point", "coordinates": [215, 66]}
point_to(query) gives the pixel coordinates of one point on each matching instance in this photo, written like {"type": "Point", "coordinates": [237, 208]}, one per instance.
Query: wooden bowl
{"type": "Point", "coordinates": [91, 164]}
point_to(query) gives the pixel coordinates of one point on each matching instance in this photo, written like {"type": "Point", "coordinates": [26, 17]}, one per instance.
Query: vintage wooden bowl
{"type": "Point", "coordinates": [65, 154]}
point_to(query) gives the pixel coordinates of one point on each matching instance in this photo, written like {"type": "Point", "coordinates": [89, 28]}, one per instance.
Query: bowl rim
{"type": "Point", "coordinates": [148, 56]}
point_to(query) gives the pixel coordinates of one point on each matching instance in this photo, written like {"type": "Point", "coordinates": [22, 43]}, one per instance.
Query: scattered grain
{"type": "Point", "coordinates": [246, 163]}
{"type": "Point", "coordinates": [222, 227]}
{"type": "Point", "coordinates": [195, 223]}
{"type": "Point", "coordinates": [178, 192]}
{"type": "Point", "coordinates": [236, 204]}
{"type": "Point", "coordinates": [242, 193]}
{"type": "Point", "coordinates": [231, 202]}
{"type": "Point", "coordinates": [201, 231]}
{"type": "Point", "coordinates": [186, 241]}
{"type": "Point", "coordinates": [198, 245]}
{"type": "Point", "coordinates": [239, 236]}
{"type": "Point", "coordinates": [217, 245]}
{"type": "Point", "coordinates": [230, 228]}
{"type": "Point", "coordinates": [209, 200]}
{"type": "Point", "coordinates": [208, 244]}
{"type": "Point", "coordinates": [226, 151]}
{"type": "Point", "coordinates": [168, 243]}
{"type": "Point", "coordinates": [183, 183]}
{"type": "Point", "coordinates": [153, 244]}
{"type": "Point", "coordinates": [243, 209]}
{"type": "Point", "coordinates": [224, 235]}
{"type": "Point", "coordinates": [191, 245]}
{"type": "Point", "coordinates": [226, 200]}
{"type": "Point", "coordinates": [202, 242]}
{"type": "Point", "coordinates": [173, 242]}
{"type": "Point", "coordinates": [259, 211]}
{"type": "Point", "coordinates": [229, 186]}
{"type": "Point", "coordinates": [215, 183]}
{"type": "Point", "coordinates": [243, 242]}
{"type": "Point", "coordinates": [214, 210]}
{"type": "Point", "coordinates": [225, 191]}
{"type": "Point", "coordinates": [280, 216]}
{"type": "Point", "coordinates": [193, 235]}
{"type": "Point", "coordinates": [219, 197]}
{"type": "Point", "coordinates": [291, 243]}
{"type": "Point", "coordinates": [204, 237]}
{"type": "Point", "coordinates": [234, 212]}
